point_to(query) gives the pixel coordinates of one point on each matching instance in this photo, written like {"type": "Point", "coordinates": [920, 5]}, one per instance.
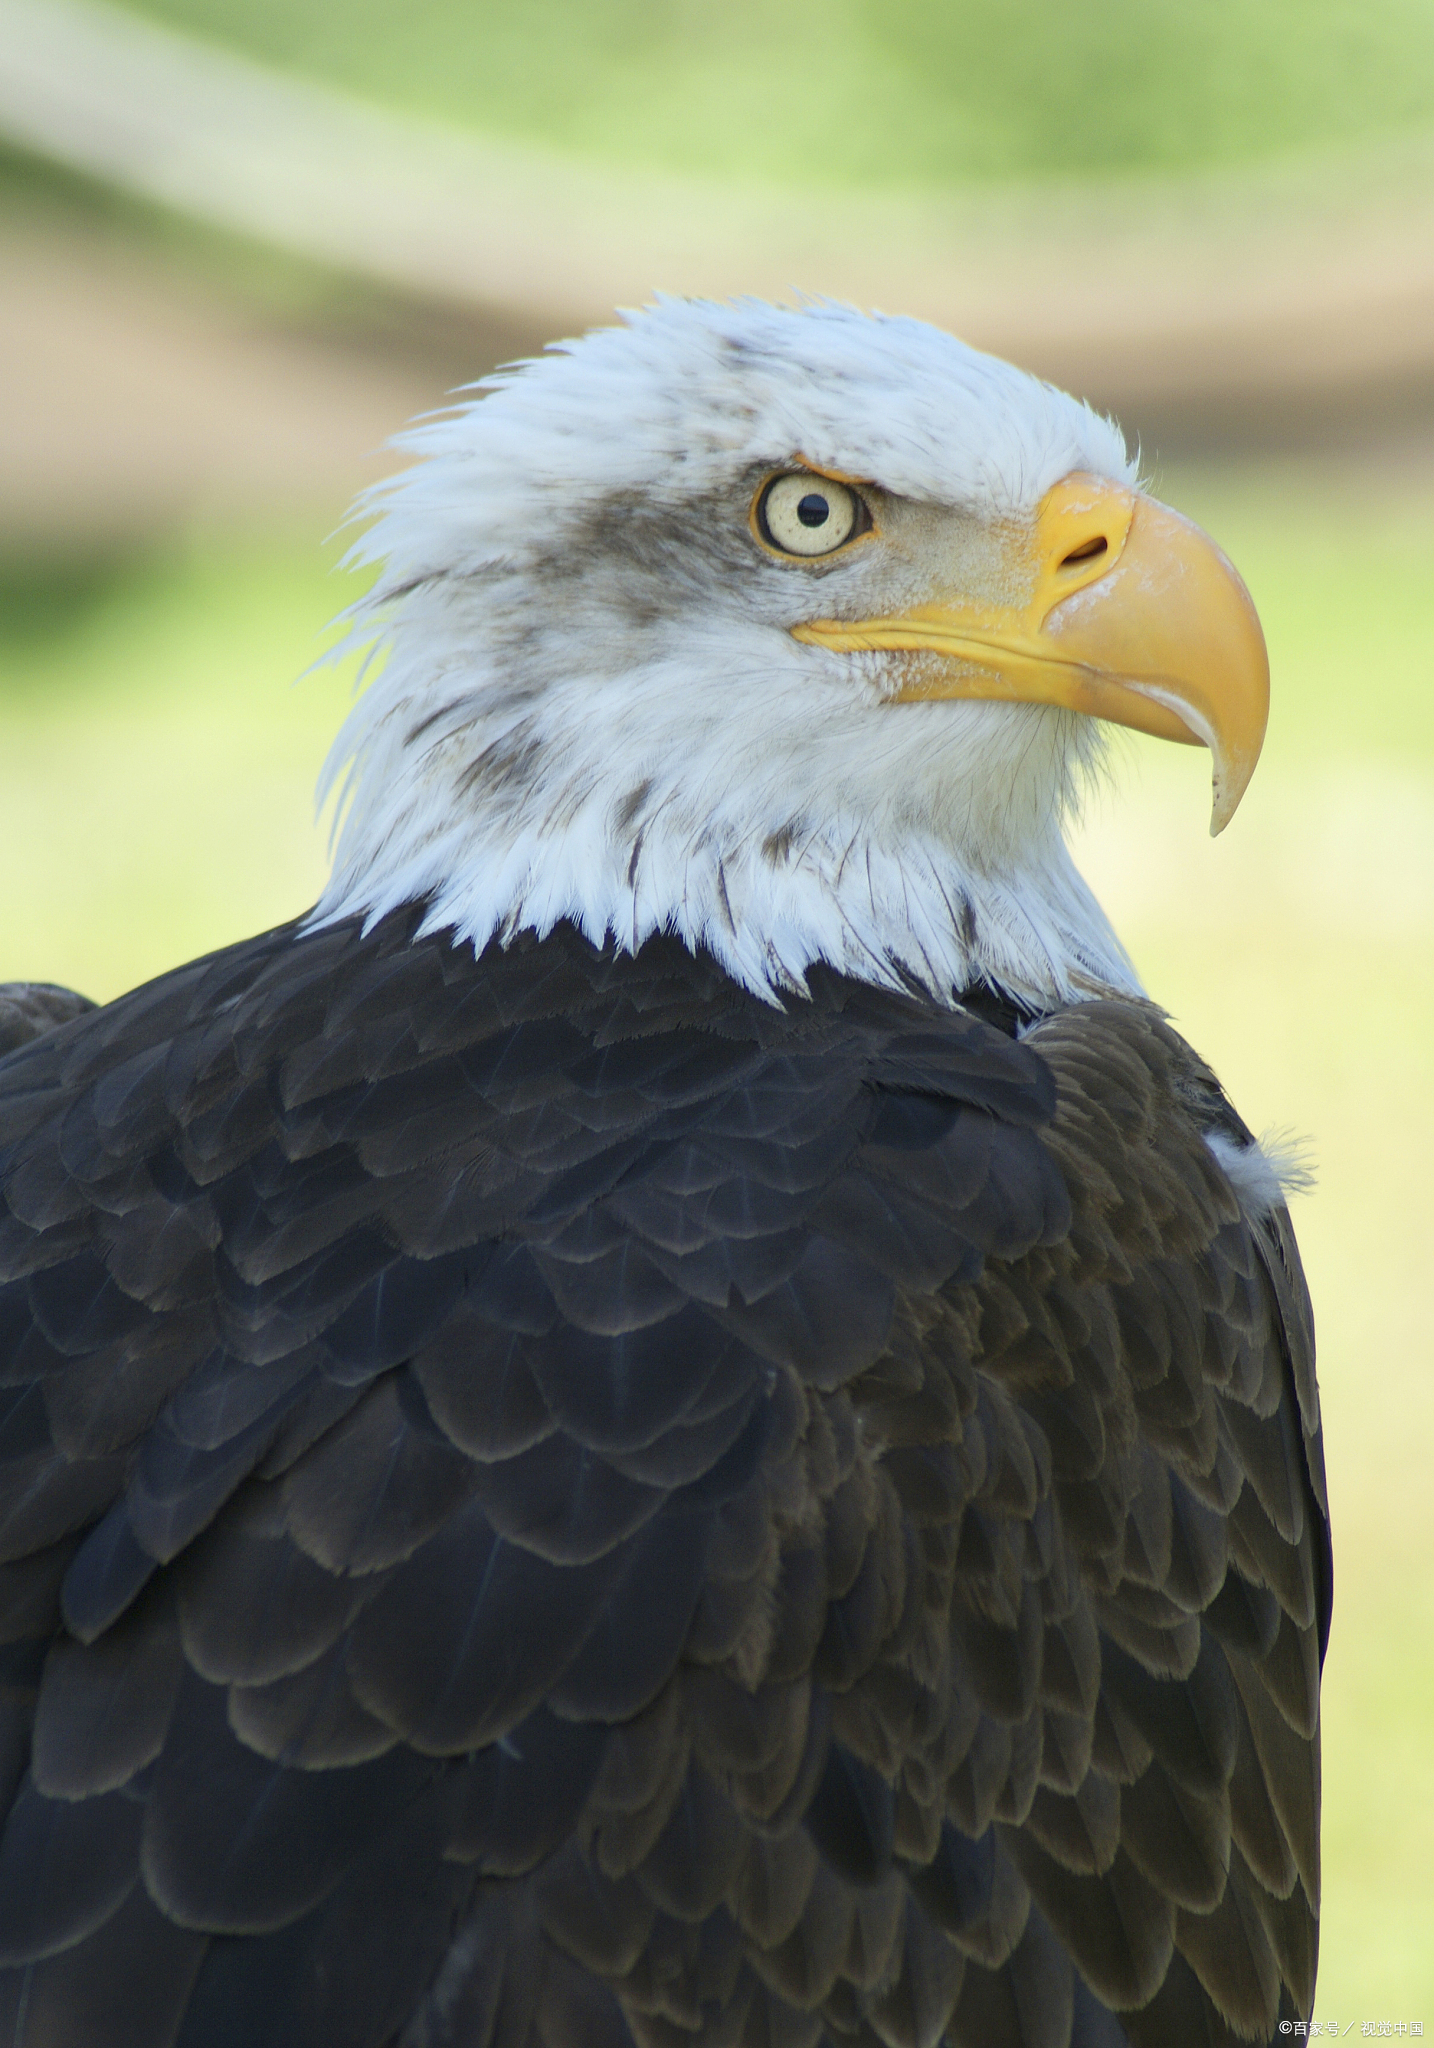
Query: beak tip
{"type": "Point", "coordinates": [1231, 774]}
{"type": "Point", "coordinates": [1224, 802]}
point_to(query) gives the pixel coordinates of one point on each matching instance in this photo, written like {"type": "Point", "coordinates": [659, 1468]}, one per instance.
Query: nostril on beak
{"type": "Point", "coordinates": [1087, 550]}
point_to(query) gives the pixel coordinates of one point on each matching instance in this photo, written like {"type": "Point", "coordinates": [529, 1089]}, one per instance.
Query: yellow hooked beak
{"type": "Point", "coordinates": [1134, 616]}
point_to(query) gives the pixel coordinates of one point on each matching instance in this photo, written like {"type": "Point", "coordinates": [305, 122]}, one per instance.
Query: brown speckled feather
{"type": "Point", "coordinates": [547, 1503]}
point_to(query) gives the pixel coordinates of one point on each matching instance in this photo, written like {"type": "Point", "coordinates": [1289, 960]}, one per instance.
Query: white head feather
{"type": "Point", "coordinates": [591, 706]}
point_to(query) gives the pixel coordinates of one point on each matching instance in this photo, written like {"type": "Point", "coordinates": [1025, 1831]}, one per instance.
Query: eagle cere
{"type": "Point", "coordinates": [680, 1420]}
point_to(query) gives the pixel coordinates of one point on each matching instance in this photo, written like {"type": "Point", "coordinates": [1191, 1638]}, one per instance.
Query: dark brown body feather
{"type": "Point", "coordinates": [547, 1502]}
{"type": "Point", "coordinates": [29, 1008]}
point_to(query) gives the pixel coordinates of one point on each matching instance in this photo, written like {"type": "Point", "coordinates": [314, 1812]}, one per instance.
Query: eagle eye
{"type": "Point", "coordinates": [803, 514]}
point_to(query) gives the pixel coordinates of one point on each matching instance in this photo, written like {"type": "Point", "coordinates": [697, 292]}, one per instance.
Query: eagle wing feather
{"type": "Point", "coordinates": [548, 1501]}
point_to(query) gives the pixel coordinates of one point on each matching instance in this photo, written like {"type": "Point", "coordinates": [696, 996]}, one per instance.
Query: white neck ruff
{"type": "Point", "coordinates": [735, 796]}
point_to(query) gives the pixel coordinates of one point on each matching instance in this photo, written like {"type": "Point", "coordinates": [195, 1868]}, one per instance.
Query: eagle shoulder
{"type": "Point", "coordinates": [30, 1008]}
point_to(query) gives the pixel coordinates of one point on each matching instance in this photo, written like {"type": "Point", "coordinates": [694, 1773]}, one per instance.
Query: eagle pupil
{"type": "Point", "coordinates": [813, 510]}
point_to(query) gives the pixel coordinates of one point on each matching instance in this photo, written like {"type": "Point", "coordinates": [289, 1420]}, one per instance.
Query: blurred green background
{"type": "Point", "coordinates": [841, 93]}
{"type": "Point", "coordinates": [159, 757]}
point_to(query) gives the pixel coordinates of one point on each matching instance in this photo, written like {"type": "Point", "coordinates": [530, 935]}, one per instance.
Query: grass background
{"type": "Point", "coordinates": [155, 792]}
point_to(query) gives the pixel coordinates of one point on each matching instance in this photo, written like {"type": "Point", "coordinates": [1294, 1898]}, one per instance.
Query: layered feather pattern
{"type": "Point", "coordinates": [549, 1501]}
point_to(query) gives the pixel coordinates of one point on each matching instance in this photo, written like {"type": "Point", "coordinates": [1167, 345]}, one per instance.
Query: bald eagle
{"type": "Point", "coordinates": [680, 1420]}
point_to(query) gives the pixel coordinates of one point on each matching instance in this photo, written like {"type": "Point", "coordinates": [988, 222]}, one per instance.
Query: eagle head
{"type": "Point", "coordinates": [787, 631]}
